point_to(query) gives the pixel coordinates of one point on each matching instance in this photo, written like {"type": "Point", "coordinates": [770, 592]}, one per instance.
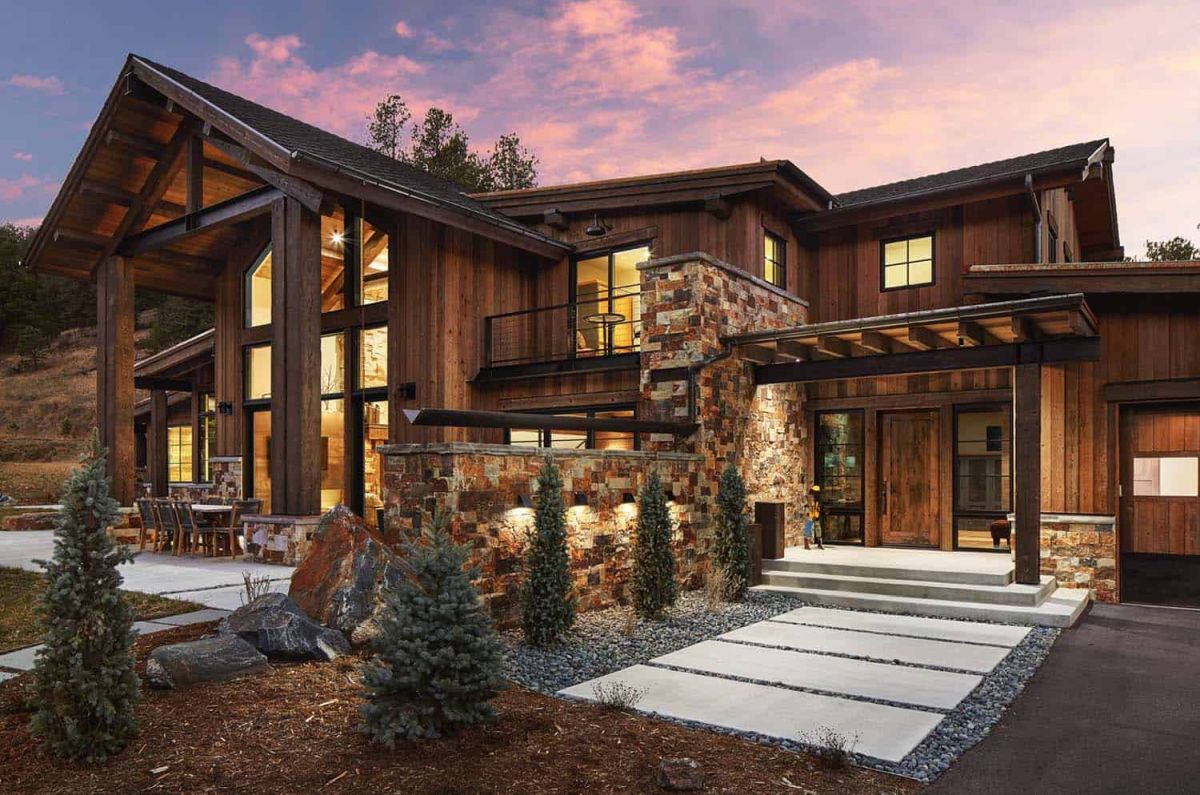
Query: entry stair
{"type": "Point", "coordinates": [919, 587]}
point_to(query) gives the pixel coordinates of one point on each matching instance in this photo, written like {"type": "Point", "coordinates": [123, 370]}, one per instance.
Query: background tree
{"type": "Point", "coordinates": [1173, 250]}
{"type": "Point", "coordinates": [547, 601]}
{"type": "Point", "coordinates": [654, 587]}
{"type": "Point", "coordinates": [86, 685]}
{"type": "Point", "coordinates": [438, 662]}
{"type": "Point", "coordinates": [176, 320]}
{"type": "Point", "coordinates": [731, 548]}
{"type": "Point", "coordinates": [438, 145]}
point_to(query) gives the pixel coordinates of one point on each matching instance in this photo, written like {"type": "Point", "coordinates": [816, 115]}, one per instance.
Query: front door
{"type": "Point", "coordinates": [909, 446]}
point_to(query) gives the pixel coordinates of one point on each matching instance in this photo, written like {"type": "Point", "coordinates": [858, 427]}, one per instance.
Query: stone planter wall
{"type": "Point", "coordinates": [689, 303]}
{"type": "Point", "coordinates": [280, 539]}
{"type": "Point", "coordinates": [1081, 552]}
{"type": "Point", "coordinates": [482, 484]}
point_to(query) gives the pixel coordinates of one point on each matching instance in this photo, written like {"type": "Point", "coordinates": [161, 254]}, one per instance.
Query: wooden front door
{"type": "Point", "coordinates": [1160, 481]}
{"type": "Point", "coordinates": [909, 450]}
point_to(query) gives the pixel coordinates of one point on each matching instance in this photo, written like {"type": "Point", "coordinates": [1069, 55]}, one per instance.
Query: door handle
{"type": "Point", "coordinates": [883, 491]}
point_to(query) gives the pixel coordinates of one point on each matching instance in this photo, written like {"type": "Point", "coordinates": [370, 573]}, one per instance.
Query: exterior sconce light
{"type": "Point", "coordinates": [524, 501]}
{"type": "Point", "coordinates": [670, 497]}
{"type": "Point", "coordinates": [628, 499]}
{"type": "Point", "coordinates": [580, 499]}
{"type": "Point", "coordinates": [596, 229]}
{"type": "Point", "coordinates": [225, 407]}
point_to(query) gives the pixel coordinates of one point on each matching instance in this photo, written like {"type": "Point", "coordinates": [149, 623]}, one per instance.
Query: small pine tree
{"type": "Point", "coordinates": [438, 662]}
{"type": "Point", "coordinates": [86, 685]}
{"type": "Point", "coordinates": [731, 548]}
{"type": "Point", "coordinates": [547, 601]}
{"type": "Point", "coordinates": [654, 586]}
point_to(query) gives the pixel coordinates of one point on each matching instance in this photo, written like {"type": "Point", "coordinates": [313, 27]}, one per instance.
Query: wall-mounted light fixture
{"type": "Point", "coordinates": [597, 229]}
{"type": "Point", "coordinates": [225, 407]}
{"type": "Point", "coordinates": [580, 499]}
{"type": "Point", "coordinates": [670, 497]}
{"type": "Point", "coordinates": [524, 501]}
{"type": "Point", "coordinates": [628, 499]}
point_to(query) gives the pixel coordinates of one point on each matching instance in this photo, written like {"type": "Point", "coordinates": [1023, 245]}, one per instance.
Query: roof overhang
{"type": "Point", "coordinates": [1084, 277]}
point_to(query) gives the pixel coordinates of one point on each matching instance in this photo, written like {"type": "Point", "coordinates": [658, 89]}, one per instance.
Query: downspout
{"type": "Point", "coordinates": [693, 371]}
{"type": "Point", "coordinates": [1037, 218]}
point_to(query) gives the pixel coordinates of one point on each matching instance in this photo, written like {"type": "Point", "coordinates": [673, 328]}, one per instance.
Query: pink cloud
{"type": "Point", "coordinates": [435, 43]}
{"type": "Point", "coordinates": [16, 187]}
{"type": "Point", "coordinates": [277, 49]}
{"type": "Point", "coordinates": [47, 85]}
{"type": "Point", "coordinates": [403, 30]}
{"type": "Point", "coordinates": [23, 156]}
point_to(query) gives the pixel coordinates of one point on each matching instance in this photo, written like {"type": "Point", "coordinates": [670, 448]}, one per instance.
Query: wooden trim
{"type": "Point", "coordinates": [161, 383]}
{"type": "Point", "coordinates": [916, 400]}
{"type": "Point", "coordinates": [114, 372]}
{"type": "Point", "coordinates": [1152, 391]}
{"type": "Point", "coordinates": [156, 446]}
{"type": "Point", "coordinates": [570, 401]}
{"type": "Point", "coordinates": [464, 418]}
{"type": "Point", "coordinates": [222, 214]}
{"type": "Point", "coordinates": [1131, 282]}
{"type": "Point", "coordinates": [646, 234]}
{"type": "Point", "coordinates": [1027, 488]}
{"type": "Point", "coordinates": [933, 259]}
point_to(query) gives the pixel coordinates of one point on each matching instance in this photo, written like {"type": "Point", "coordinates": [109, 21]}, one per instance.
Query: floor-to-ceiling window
{"type": "Point", "coordinates": [179, 454]}
{"type": "Point", "coordinates": [607, 302]}
{"type": "Point", "coordinates": [839, 472]}
{"type": "Point", "coordinates": [370, 400]}
{"type": "Point", "coordinates": [560, 439]}
{"type": "Point", "coordinates": [982, 478]}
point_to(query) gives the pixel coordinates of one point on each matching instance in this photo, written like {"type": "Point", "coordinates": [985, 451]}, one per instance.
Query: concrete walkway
{"type": "Point", "coordinates": [213, 582]}
{"type": "Point", "coordinates": [879, 679]}
{"type": "Point", "coordinates": [1112, 710]}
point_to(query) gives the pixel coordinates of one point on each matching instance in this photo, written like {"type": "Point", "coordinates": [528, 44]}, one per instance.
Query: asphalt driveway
{"type": "Point", "coordinates": [1114, 709]}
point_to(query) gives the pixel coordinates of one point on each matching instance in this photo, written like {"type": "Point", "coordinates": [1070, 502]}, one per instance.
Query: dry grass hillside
{"type": "Point", "coordinates": [46, 415]}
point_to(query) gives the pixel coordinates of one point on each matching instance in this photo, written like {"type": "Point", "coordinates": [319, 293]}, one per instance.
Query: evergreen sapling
{"type": "Point", "coordinates": [731, 547]}
{"type": "Point", "coordinates": [654, 585]}
{"type": "Point", "coordinates": [547, 600]}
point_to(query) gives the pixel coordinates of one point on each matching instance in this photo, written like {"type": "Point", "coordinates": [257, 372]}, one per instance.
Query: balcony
{"type": "Point", "coordinates": [598, 325]}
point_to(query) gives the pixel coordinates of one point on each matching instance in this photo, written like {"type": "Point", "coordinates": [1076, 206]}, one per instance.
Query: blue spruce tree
{"type": "Point", "coordinates": [86, 685]}
{"type": "Point", "coordinates": [731, 547]}
{"type": "Point", "coordinates": [438, 663]}
{"type": "Point", "coordinates": [548, 605]}
{"type": "Point", "coordinates": [654, 585]}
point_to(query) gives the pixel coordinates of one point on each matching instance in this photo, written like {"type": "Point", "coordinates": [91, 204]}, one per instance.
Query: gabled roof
{"type": "Point", "coordinates": [1075, 155]}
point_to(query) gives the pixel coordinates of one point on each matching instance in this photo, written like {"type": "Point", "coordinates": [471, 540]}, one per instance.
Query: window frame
{"type": "Point", "coordinates": [844, 509]}
{"type": "Point", "coordinates": [956, 512]}
{"type": "Point", "coordinates": [781, 265]}
{"type": "Point", "coordinates": [175, 449]}
{"type": "Point", "coordinates": [883, 244]}
{"type": "Point", "coordinates": [247, 292]}
{"type": "Point", "coordinates": [545, 438]}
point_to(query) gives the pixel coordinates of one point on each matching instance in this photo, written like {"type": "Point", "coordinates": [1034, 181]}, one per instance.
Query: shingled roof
{"type": "Point", "coordinates": [1062, 157]}
{"type": "Point", "coordinates": [295, 136]}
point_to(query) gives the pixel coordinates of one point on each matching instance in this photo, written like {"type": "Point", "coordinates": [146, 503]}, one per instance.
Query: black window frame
{"type": "Point", "coordinates": [545, 435]}
{"type": "Point", "coordinates": [957, 513]}
{"type": "Point", "coordinates": [853, 509]}
{"type": "Point", "coordinates": [883, 244]}
{"type": "Point", "coordinates": [781, 263]}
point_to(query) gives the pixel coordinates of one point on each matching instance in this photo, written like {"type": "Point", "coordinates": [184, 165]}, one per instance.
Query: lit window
{"type": "Point", "coordinates": [373, 357]}
{"type": "Point", "coordinates": [258, 291]}
{"type": "Point", "coordinates": [374, 271]}
{"type": "Point", "coordinates": [333, 363]}
{"type": "Point", "coordinates": [258, 372]}
{"type": "Point", "coordinates": [908, 262]}
{"type": "Point", "coordinates": [333, 262]}
{"type": "Point", "coordinates": [179, 454]}
{"type": "Point", "coordinates": [1175, 476]}
{"type": "Point", "coordinates": [774, 259]}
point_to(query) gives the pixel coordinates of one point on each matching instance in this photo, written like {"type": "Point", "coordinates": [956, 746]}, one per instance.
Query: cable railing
{"type": "Point", "coordinates": [597, 323]}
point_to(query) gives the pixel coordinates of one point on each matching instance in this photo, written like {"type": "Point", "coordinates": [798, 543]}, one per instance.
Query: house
{"type": "Point", "coordinates": [954, 359]}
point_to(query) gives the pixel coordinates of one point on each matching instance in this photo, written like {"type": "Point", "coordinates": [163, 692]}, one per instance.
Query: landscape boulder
{"type": "Point", "coordinates": [341, 580]}
{"type": "Point", "coordinates": [209, 660]}
{"type": "Point", "coordinates": [277, 627]}
{"type": "Point", "coordinates": [680, 775]}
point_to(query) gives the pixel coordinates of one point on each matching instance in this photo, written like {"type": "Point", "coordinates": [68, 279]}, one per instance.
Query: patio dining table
{"type": "Point", "coordinates": [217, 515]}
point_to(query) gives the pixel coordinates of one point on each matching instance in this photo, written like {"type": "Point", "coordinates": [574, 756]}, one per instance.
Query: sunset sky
{"type": "Point", "coordinates": [855, 93]}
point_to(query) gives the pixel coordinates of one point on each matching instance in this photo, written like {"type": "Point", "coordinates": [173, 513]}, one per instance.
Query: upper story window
{"type": "Point", "coordinates": [1051, 245]}
{"type": "Point", "coordinates": [373, 273]}
{"type": "Point", "coordinates": [1068, 255]}
{"type": "Point", "coordinates": [258, 291]}
{"type": "Point", "coordinates": [907, 262]}
{"type": "Point", "coordinates": [608, 303]}
{"type": "Point", "coordinates": [775, 259]}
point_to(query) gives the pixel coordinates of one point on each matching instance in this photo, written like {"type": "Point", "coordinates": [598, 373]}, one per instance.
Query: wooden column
{"type": "Point", "coordinates": [114, 371]}
{"type": "Point", "coordinates": [1027, 491]}
{"type": "Point", "coordinates": [228, 359]}
{"type": "Point", "coordinates": [197, 433]}
{"type": "Point", "coordinates": [295, 359]}
{"type": "Point", "coordinates": [156, 443]}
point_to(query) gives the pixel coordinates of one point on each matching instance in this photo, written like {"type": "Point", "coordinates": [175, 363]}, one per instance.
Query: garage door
{"type": "Point", "coordinates": [1160, 505]}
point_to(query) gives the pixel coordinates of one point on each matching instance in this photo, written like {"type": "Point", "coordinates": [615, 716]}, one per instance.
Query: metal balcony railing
{"type": "Point", "coordinates": [598, 323]}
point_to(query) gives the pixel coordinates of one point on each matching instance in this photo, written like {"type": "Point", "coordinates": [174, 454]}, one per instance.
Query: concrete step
{"type": "Point", "coordinates": [1062, 608]}
{"type": "Point", "coordinates": [1012, 594]}
{"type": "Point", "coordinates": [1003, 574]}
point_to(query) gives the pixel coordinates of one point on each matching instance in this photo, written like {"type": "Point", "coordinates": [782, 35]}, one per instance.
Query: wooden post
{"type": "Point", "coordinates": [194, 175]}
{"type": "Point", "coordinates": [114, 371]}
{"type": "Point", "coordinates": [295, 359]}
{"type": "Point", "coordinates": [157, 443]}
{"type": "Point", "coordinates": [1027, 402]}
{"type": "Point", "coordinates": [197, 434]}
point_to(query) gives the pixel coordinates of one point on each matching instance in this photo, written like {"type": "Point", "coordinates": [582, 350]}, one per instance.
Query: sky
{"type": "Point", "coordinates": [855, 93]}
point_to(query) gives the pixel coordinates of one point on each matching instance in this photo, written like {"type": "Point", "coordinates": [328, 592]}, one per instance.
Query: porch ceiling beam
{"type": "Point", "coordinates": [1023, 329]}
{"type": "Point", "coordinates": [461, 418]}
{"type": "Point", "coordinates": [834, 346]}
{"type": "Point", "coordinates": [968, 358]}
{"type": "Point", "coordinates": [796, 350]}
{"type": "Point", "coordinates": [155, 382]}
{"type": "Point", "coordinates": [763, 354]}
{"type": "Point", "coordinates": [90, 239]}
{"type": "Point", "coordinates": [232, 211]}
{"type": "Point", "coordinates": [309, 196]}
{"type": "Point", "coordinates": [117, 195]}
{"type": "Point", "coordinates": [135, 144]}
{"type": "Point", "coordinates": [925, 339]}
{"type": "Point", "coordinates": [971, 333]}
{"type": "Point", "coordinates": [876, 342]}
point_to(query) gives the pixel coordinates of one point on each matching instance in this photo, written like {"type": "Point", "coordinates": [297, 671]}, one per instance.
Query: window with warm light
{"type": "Point", "coordinates": [372, 356]}
{"type": "Point", "coordinates": [577, 440]}
{"type": "Point", "coordinates": [333, 363]}
{"type": "Point", "coordinates": [333, 262]}
{"type": "Point", "coordinates": [907, 262]}
{"type": "Point", "coordinates": [179, 454]}
{"type": "Point", "coordinates": [373, 274]}
{"type": "Point", "coordinates": [774, 259]}
{"type": "Point", "coordinates": [258, 372]}
{"type": "Point", "coordinates": [258, 291]}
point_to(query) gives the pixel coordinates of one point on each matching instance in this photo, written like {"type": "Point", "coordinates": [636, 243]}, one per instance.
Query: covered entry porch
{"type": "Point", "coordinates": [896, 454]}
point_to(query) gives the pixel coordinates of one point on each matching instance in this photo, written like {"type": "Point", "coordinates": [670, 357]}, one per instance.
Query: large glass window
{"type": "Point", "coordinates": [333, 262]}
{"type": "Point", "coordinates": [333, 452]}
{"type": "Point", "coordinates": [373, 275]}
{"type": "Point", "coordinates": [1166, 476]}
{"type": "Point", "coordinates": [774, 259]}
{"type": "Point", "coordinates": [258, 291]}
{"type": "Point", "coordinates": [839, 473]}
{"type": "Point", "coordinates": [179, 454]}
{"type": "Point", "coordinates": [982, 488]}
{"type": "Point", "coordinates": [208, 427]}
{"type": "Point", "coordinates": [372, 357]}
{"type": "Point", "coordinates": [375, 434]}
{"type": "Point", "coordinates": [577, 440]}
{"type": "Point", "coordinates": [258, 372]}
{"type": "Point", "coordinates": [333, 363]}
{"type": "Point", "coordinates": [260, 452]}
{"type": "Point", "coordinates": [907, 262]}
{"type": "Point", "coordinates": [608, 304]}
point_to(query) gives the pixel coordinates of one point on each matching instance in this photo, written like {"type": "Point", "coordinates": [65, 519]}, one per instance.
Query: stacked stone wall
{"type": "Point", "coordinates": [1081, 552]}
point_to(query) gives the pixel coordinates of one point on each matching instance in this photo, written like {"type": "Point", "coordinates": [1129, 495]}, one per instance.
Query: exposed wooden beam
{"type": "Point", "coordinates": [1153, 391]}
{"type": "Point", "coordinates": [763, 354]}
{"type": "Point", "coordinates": [90, 239]}
{"type": "Point", "coordinates": [156, 445]}
{"type": "Point", "coordinates": [1023, 329]}
{"type": "Point", "coordinates": [718, 206]}
{"type": "Point", "coordinates": [194, 169]}
{"type": "Point", "coordinates": [796, 350]}
{"type": "Point", "coordinates": [159, 383]}
{"type": "Point", "coordinates": [309, 196]}
{"type": "Point", "coordinates": [231, 211]}
{"type": "Point", "coordinates": [136, 144]}
{"type": "Point", "coordinates": [876, 342]}
{"type": "Point", "coordinates": [222, 167]}
{"type": "Point", "coordinates": [917, 400]}
{"type": "Point", "coordinates": [971, 333]}
{"type": "Point", "coordinates": [462, 418]}
{"type": "Point", "coordinates": [1071, 349]}
{"type": "Point", "coordinates": [834, 346]}
{"type": "Point", "coordinates": [925, 339]}
{"type": "Point", "coordinates": [114, 371]}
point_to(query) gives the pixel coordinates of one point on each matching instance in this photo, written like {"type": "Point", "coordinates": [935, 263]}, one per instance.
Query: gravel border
{"type": "Point", "coordinates": [599, 645]}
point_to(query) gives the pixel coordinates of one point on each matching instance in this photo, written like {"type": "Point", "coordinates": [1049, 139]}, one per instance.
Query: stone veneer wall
{"type": "Point", "coordinates": [279, 539]}
{"type": "Point", "coordinates": [1081, 552]}
{"type": "Point", "coordinates": [481, 483]}
{"type": "Point", "coordinates": [689, 302]}
{"type": "Point", "coordinates": [227, 477]}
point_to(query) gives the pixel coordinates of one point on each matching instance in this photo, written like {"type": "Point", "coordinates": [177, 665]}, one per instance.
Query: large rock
{"type": "Point", "coordinates": [341, 580]}
{"type": "Point", "coordinates": [277, 627]}
{"type": "Point", "coordinates": [680, 775]}
{"type": "Point", "coordinates": [209, 660]}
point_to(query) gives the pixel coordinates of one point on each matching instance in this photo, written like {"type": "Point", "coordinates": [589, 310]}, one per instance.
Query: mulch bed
{"type": "Point", "coordinates": [294, 731]}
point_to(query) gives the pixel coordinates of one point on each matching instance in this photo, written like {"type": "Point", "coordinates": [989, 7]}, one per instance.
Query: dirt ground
{"type": "Point", "coordinates": [294, 731]}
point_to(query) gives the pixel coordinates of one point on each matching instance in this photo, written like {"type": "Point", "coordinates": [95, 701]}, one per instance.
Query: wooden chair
{"type": "Point", "coordinates": [197, 536]}
{"type": "Point", "coordinates": [168, 526]}
{"type": "Point", "coordinates": [149, 522]}
{"type": "Point", "coordinates": [230, 534]}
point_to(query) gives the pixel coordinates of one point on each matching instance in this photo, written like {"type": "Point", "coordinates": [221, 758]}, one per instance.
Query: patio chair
{"type": "Point", "coordinates": [197, 535]}
{"type": "Point", "coordinates": [149, 522]}
{"type": "Point", "coordinates": [230, 534]}
{"type": "Point", "coordinates": [168, 523]}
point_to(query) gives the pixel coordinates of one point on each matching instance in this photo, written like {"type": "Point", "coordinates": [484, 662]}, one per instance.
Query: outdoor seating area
{"type": "Point", "coordinates": [210, 529]}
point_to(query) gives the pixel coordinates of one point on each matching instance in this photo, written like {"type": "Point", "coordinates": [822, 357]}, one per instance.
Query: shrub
{"type": "Point", "coordinates": [548, 605]}
{"type": "Point", "coordinates": [714, 588]}
{"type": "Point", "coordinates": [832, 748]}
{"type": "Point", "coordinates": [731, 547]}
{"type": "Point", "coordinates": [86, 687]}
{"type": "Point", "coordinates": [254, 587]}
{"type": "Point", "coordinates": [438, 662]}
{"type": "Point", "coordinates": [617, 695]}
{"type": "Point", "coordinates": [654, 586]}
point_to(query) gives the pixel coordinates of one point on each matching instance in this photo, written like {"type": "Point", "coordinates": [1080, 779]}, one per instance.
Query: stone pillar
{"type": "Point", "coordinates": [295, 359]}
{"type": "Point", "coordinates": [114, 372]}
